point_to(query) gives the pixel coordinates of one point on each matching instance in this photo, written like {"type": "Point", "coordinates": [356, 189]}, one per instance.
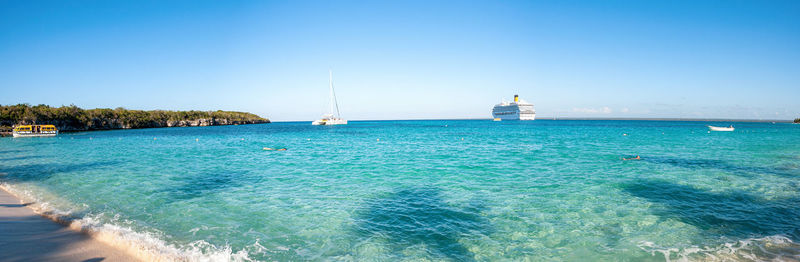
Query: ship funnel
{"type": "Point", "coordinates": [516, 98]}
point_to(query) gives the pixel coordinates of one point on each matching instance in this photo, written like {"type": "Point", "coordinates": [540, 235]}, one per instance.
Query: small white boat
{"type": "Point", "coordinates": [329, 119]}
{"type": "Point", "coordinates": [720, 128]}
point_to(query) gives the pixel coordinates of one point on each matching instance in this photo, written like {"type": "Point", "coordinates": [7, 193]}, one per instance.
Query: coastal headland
{"type": "Point", "coordinates": [73, 119]}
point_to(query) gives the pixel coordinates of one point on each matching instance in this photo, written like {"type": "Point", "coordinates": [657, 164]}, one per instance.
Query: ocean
{"type": "Point", "coordinates": [434, 190]}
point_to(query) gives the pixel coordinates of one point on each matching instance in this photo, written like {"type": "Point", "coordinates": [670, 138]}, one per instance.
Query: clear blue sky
{"type": "Point", "coordinates": [407, 59]}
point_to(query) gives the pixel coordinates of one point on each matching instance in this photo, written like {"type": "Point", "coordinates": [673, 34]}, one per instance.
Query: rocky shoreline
{"type": "Point", "coordinates": [111, 124]}
{"type": "Point", "coordinates": [115, 124]}
{"type": "Point", "coordinates": [74, 119]}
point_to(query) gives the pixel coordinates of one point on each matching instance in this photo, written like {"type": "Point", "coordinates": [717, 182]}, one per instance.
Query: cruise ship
{"type": "Point", "coordinates": [517, 110]}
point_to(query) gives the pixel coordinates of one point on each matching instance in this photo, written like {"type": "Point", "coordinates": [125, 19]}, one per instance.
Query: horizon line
{"type": "Point", "coordinates": [573, 118]}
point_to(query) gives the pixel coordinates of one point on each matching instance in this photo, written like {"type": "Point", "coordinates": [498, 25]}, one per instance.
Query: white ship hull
{"type": "Point", "coordinates": [515, 116]}
{"type": "Point", "coordinates": [719, 128]}
{"type": "Point", "coordinates": [29, 134]}
{"type": "Point", "coordinates": [329, 122]}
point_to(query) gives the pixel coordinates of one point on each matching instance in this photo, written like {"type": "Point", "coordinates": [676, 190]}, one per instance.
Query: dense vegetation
{"type": "Point", "coordinates": [73, 118]}
{"type": "Point", "coordinates": [797, 120]}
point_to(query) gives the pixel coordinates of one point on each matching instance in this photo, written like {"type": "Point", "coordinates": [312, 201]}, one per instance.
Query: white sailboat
{"type": "Point", "coordinates": [330, 119]}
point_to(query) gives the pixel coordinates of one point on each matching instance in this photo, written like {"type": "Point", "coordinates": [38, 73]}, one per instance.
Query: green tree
{"type": "Point", "coordinates": [73, 118]}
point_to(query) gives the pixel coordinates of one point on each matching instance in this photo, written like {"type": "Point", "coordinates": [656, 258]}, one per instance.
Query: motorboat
{"type": "Point", "coordinates": [34, 131]}
{"type": "Point", "coordinates": [721, 128]}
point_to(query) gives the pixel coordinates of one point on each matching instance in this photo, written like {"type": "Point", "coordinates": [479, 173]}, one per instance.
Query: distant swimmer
{"type": "Point", "coordinates": [275, 149]}
{"type": "Point", "coordinates": [632, 158]}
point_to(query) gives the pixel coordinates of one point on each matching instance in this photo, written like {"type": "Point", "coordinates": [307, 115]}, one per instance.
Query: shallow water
{"type": "Point", "coordinates": [431, 190]}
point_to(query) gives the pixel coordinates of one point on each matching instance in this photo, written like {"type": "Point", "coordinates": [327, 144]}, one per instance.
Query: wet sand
{"type": "Point", "coordinates": [27, 236]}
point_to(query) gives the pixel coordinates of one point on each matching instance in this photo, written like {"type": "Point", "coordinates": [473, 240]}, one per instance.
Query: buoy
{"type": "Point", "coordinates": [154, 138]}
{"type": "Point", "coordinates": [378, 139]}
{"type": "Point", "coordinates": [242, 139]}
{"type": "Point", "coordinates": [624, 134]}
{"type": "Point", "coordinates": [197, 139]}
{"type": "Point", "coordinates": [462, 139]}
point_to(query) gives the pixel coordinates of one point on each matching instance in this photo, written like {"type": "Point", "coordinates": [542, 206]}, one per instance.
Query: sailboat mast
{"type": "Point", "coordinates": [330, 84]}
{"type": "Point", "coordinates": [333, 98]}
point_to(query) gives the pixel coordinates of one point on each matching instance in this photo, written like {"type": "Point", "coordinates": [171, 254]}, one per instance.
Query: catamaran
{"type": "Point", "coordinates": [329, 119]}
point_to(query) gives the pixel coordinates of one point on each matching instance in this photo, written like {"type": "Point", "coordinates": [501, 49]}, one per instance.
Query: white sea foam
{"type": "Point", "coordinates": [147, 246]}
{"type": "Point", "coordinates": [770, 248]}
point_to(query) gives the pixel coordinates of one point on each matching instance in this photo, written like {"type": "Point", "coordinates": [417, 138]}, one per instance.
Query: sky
{"type": "Point", "coordinates": [407, 59]}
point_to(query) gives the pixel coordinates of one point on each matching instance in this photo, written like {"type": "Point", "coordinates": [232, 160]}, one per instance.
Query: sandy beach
{"type": "Point", "coordinates": [27, 236]}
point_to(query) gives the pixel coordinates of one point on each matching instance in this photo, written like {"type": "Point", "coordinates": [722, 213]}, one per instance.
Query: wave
{"type": "Point", "coordinates": [151, 246]}
{"type": "Point", "coordinates": [147, 246]}
{"type": "Point", "coordinates": [770, 248]}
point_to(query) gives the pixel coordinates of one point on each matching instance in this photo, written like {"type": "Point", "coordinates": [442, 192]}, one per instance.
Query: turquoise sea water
{"type": "Point", "coordinates": [459, 190]}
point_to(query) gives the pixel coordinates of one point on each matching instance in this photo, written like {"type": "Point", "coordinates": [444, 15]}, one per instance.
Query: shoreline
{"type": "Point", "coordinates": [9, 133]}
{"type": "Point", "coordinates": [29, 236]}
{"type": "Point", "coordinates": [88, 236]}
{"type": "Point", "coordinates": [158, 127]}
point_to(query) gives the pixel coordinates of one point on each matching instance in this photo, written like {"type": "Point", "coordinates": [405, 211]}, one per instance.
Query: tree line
{"type": "Point", "coordinates": [73, 118]}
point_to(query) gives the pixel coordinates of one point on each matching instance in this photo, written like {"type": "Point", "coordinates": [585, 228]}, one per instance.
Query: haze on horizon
{"type": "Point", "coordinates": [407, 59]}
